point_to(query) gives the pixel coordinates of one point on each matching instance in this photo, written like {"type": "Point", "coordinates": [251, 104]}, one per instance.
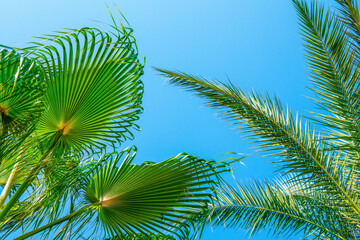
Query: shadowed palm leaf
{"type": "Point", "coordinates": [21, 86]}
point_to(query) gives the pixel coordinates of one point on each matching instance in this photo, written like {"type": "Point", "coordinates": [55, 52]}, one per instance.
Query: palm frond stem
{"type": "Point", "coordinates": [9, 184]}
{"type": "Point", "coordinates": [31, 176]}
{"type": "Point", "coordinates": [54, 223]}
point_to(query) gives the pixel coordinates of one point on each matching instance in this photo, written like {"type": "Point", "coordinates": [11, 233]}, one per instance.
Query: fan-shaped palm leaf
{"type": "Point", "coordinates": [93, 89]}
{"type": "Point", "coordinates": [142, 199]}
{"type": "Point", "coordinates": [149, 197]}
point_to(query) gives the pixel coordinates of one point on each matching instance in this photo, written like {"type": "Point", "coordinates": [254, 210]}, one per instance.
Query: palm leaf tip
{"type": "Point", "coordinates": [150, 197]}
{"type": "Point", "coordinates": [141, 236]}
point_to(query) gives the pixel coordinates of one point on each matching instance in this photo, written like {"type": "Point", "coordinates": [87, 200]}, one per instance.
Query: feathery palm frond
{"type": "Point", "coordinates": [350, 16]}
{"type": "Point", "coordinates": [258, 206]}
{"type": "Point", "coordinates": [324, 167]}
{"type": "Point", "coordinates": [145, 237]}
{"type": "Point", "coordinates": [274, 129]}
{"type": "Point", "coordinates": [334, 75]}
{"type": "Point", "coordinates": [293, 140]}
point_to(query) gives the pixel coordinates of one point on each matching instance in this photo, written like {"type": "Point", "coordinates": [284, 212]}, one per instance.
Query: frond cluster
{"type": "Point", "coordinates": [319, 158]}
{"type": "Point", "coordinates": [64, 102]}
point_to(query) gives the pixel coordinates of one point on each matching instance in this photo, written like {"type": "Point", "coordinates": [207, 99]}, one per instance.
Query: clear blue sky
{"type": "Point", "coordinates": [255, 43]}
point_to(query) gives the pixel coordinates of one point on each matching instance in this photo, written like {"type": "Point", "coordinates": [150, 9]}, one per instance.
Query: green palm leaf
{"type": "Point", "coordinates": [273, 128]}
{"type": "Point", "coordinates": [334, 74]}
{"type": "Point", "coordinates": [350, 16]}
{"type": "Point", "coordinates": [93, 91]}
{"type": "Point", "coordinates": [258, 206]}
{"type": "Point", "coordinates": [321, 198]}
{"type": "Point", "coordinates": [92, 97]}
{"type": "Point", "coordinates": [130, 199]}
{"type": "Point", "coordinates": [152, 196]}
{"type": "Point", "coordinates": [21, 87]}
{"type": "Point", "coordinates": [145, 237]}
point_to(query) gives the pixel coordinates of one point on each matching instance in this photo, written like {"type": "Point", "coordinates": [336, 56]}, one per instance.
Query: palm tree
{"type": "Point", "coordinates": [66, 104]}
{"type": "Point", "coordinates": [318, 195]}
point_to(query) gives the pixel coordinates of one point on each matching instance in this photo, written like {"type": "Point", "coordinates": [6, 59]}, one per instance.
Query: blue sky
{"type": "Point", "coordinates": [256, 44]}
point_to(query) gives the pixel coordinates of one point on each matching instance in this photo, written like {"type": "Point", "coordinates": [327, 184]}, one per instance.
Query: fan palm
{"type": "Point", "coordinates": [318, 195]}
{"type": "Point", "coordinates": [65, 102]}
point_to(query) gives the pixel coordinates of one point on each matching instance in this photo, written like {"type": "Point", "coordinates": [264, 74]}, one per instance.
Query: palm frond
{"type": "Point", "coordinates": [350, 16]}
{"type": "Point", "coordinates": [21, 88]}
{"type": "Point", "coordinates": [92, 96]}
{"type": "Point", "coordinates": [151, 236]}
{"type": "Point", "coordinates": [269, 206]}
{"type": "Point", "coordinates": [49, 195]}
{"type": "Point", "coordinates": [274, 129]}
{"type": "Point", "coordinates": [126, 200]}
{"type": "Point", "coordinates": [93, 91]}
{"type": "Point", "coordinates": [151, 197]}
{"type": "Point", "coordinates": [333, 72]}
